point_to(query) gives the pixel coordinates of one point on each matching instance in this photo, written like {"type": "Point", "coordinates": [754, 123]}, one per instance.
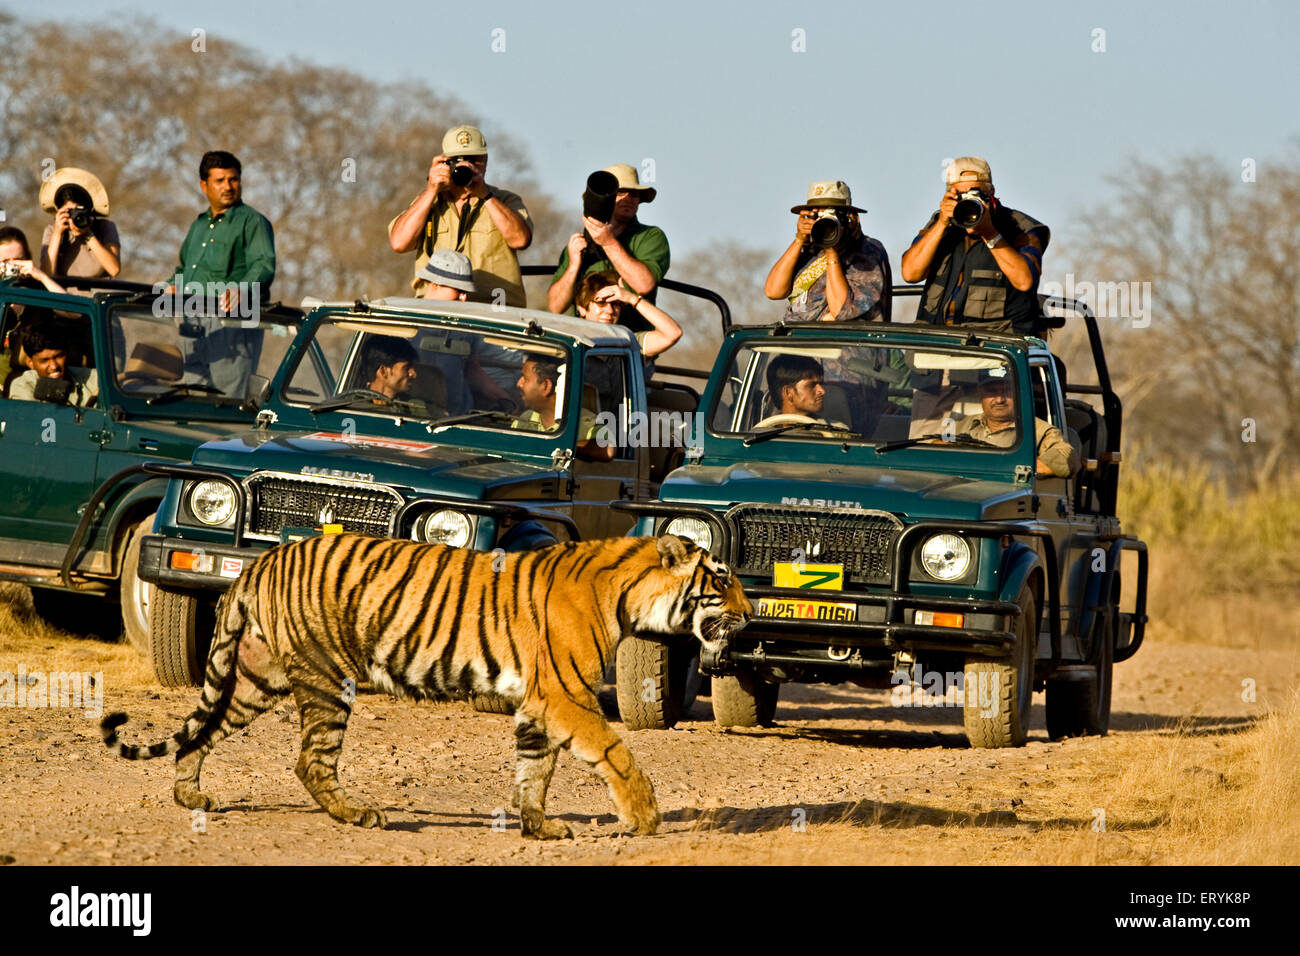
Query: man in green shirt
{"type": "Point", "coordinates": [227, 258]}
{"type": "Point", "coordinates": [636, 252]}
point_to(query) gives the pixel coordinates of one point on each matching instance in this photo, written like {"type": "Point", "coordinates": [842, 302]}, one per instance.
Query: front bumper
{"type": "Point", "coordinates": [211, 567]}
{"type": "Point", "coordinates": [882, 621]}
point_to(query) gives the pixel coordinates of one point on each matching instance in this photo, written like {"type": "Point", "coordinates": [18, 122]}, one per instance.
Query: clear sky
{"type": "Point", "coordinates": [737, 122]}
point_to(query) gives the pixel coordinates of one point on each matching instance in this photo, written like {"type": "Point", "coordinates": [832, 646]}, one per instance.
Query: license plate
{"type": "Point", "coordinates": [826, 577]}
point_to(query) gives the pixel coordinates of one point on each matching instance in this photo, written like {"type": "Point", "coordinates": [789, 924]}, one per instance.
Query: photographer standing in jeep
{"type": "Point", "coordinates": [980, 260]}
{"type": "Point", "coordinates": [459, 211]}
{"type": "Point", "coordinates": [832, 271]}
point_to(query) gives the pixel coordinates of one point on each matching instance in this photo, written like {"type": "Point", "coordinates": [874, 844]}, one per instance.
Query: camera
{"type": "Point", "coordinates": [827, 228]}
{"type": "Point", "coordinates": [970, 208]}
{"type": "Point", "coordinates": [598, 198]}
{"type": "Point", "coordinates": [462, 173]}
{"type": "Point", "coordinates": [9, 269]}
{"type": "Point", "coordinates": [81, 217]}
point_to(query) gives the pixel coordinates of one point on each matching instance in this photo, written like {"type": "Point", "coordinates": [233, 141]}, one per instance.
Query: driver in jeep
{"type": "Point", "coordinates": [797, 390]}
{"type": "Point", "coordinates": [996, 424]}
{"type": "Point", "coordinates": [47, 353]}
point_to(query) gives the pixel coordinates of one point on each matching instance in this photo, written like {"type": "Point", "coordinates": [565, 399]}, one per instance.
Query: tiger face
{"type": "Point", "coordinates": [703, 596]}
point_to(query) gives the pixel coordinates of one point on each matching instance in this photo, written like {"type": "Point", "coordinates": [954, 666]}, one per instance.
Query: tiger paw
{"type": "Point", "coordinates": [550, 830]}
{"type": "Point", "coordinates": [192, 799]}
{"type": "Point", "coordinates": [369, 818]}
{"type": "Point", "coordinates": [644, 821]}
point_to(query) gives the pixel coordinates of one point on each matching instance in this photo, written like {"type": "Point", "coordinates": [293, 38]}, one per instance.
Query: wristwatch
{"type": "Point", "coordinates": [995, 241]}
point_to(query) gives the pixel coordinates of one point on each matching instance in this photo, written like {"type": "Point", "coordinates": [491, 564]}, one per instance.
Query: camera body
{"type": "Point", "coordinates": [9, 269]}
{"type": "Point", "coordinates": [828, 228]}
{"type": "Point", "coordinates": [81, 217]}
{"type": "Point", "coordinates": [970, 208]}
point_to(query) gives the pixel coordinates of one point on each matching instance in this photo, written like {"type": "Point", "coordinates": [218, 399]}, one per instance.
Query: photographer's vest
{"type": "Point", "coordinates": [495, 264]}
{"type": "Point", "coordinates": [973, 276]}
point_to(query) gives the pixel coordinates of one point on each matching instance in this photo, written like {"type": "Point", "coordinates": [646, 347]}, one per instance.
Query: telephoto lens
{"type": "Point", "coordinates": [462, 174]}
{"type": "Point", "coordinates": [826, 231]}
{"type": "Point", "coordinates": [969, 210]}
{"type": "Point", "coordinates": [598, 198]}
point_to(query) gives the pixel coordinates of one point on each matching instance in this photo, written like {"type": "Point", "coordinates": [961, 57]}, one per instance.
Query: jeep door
{"type": "Point", "coordinates": [609, 392]}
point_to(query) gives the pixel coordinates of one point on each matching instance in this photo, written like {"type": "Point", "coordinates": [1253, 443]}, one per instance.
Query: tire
{"type": "Point", "coordinates": [180, 632]}
{"type": "Point", "coordinates": [85, 615]}
{"type": "Point", "coordinates": [650, 683]}
{"type": "Point", "coordinates": [1081, 708]}
{"type": "Point", "coordinates": [744, 700]}
{"type": "Point", "coordinates": [1011, 683]}
{"type": "Point", "coordinates": [491, 704]}
{"type": "Point", "coordinates": [135, 594]}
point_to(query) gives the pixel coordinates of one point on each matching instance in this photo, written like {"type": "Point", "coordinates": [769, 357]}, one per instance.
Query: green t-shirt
{"type": "Point", "coordinates": [236, 246]}
{"type": "Point", "coordinates": [646, 244]}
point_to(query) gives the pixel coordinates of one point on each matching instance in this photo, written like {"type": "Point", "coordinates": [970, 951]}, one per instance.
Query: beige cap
{"type": "Point", "coordinates": [159, 363]}
{"type": "Point", "coordinates": [969, 168]}
{"type": "Point", "coordinates": [628, 180]}
{"type": "Point", "coordinates": [464, 141]}
{"type": "Point", "coordinates": [829, 194]}
{"type": "Point", "coordinates": [71, 176]}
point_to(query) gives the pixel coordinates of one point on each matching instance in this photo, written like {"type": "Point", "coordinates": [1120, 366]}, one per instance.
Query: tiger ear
{"type": "Point", "coordinates": [673, 550]}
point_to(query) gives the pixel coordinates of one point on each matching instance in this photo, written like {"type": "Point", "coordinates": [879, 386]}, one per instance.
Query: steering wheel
{"type": "Point", "coordinates": [789, 418]}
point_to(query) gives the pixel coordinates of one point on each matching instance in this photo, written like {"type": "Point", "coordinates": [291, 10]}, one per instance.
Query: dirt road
{"type": "Point", "coordinates": [844, 777]}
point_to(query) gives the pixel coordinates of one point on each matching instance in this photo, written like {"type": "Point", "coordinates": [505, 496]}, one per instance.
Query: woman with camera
{"type": "Point", "coordinates": [831, 271]}
{"type": "Point", "coordinates": [82, 241]}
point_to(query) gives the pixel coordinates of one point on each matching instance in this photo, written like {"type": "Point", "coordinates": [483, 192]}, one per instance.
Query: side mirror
{"type": "Point", "coordinates": [258, 389]}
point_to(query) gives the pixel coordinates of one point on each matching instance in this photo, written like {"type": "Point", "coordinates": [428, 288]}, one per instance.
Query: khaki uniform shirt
{"type": "Point", "coordinates": [494, 263]}
{"type": "Point", "coordinates": [1052, 448]}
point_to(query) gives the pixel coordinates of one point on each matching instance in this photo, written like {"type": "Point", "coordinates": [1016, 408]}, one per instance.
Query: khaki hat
{"type": "Point", "coordinates": [464, 141]}
{"type": "Point", "coordinates": [829, 194]}
{"type": "Point", "coordinates": [71, 176]}
{"type": "Point", "coordinates": [968, 168]}
{"type": "Point", "coordinates": [159, 363]}
{"type": "Point", "coordinates": [628, 180]}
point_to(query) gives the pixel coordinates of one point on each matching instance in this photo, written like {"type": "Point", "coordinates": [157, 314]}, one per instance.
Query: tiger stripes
{"type": "Point", "coordinates": [429, 621]}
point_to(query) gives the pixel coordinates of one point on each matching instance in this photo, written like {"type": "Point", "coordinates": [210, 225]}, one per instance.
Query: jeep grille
{"type": "Point", "coordinates": [279, 501]}
{"type": "Point", "coordinates": [862, 541]}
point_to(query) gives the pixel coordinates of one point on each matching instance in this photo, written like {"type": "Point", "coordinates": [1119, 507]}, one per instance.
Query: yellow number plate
{"type": "Point", "coordinates": [787, 574]}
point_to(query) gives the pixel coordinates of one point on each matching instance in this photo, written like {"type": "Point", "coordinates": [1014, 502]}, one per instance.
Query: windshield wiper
{"type": "Point", "coordinates": [791, 426]}
{"type": "Point", "coordinates": [471, 416]}
{"type": "Point", "coordinates": [177, 392]}
{"type": "Point", "coordinates": [351, 397]}
{"type": "Point", "coordinates": [950, 439]}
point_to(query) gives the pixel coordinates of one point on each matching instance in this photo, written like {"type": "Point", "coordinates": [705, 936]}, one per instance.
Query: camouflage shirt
{"type": "Point", "coordinates": [866, 270]}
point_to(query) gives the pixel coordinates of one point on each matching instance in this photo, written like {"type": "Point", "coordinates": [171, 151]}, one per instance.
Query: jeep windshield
{"type": "Point", "coordinates": [882, 396]}
{"type": "Point", "coordinates": [441, 375]}
{"type": "Point", "coordinates": [215, 359]}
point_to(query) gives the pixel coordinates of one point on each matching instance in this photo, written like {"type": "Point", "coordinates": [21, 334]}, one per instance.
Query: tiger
{"type": "Point", "coordinates": [536, 628]}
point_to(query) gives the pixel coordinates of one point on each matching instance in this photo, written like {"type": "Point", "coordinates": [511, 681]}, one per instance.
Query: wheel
{"type": "Point", "coordinates": [180, 632]}
{"type": "Point", "coordinates": [135, 594]}
{"type": "Point", "coordinates": [86, 615]}
{"type": "Point", "coordinates": [656, 681]}
{"type": "Point", "coordinates": [744, 700]}
{"type": "Point", "coordinates": [999, 693]}
{"type": "Point", "coordinates": [491, 704]}
{"type": "Point", "coordinates": [1081, 708]}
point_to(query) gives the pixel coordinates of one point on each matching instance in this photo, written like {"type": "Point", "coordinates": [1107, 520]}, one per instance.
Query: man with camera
{"type": "Point", "coordinates": [49, 377]}
{"type": "Point", "coordinates": [612, 240]}
{"type": "Point", "coordinates": [980, 260]}
{"type": "Point", "coordinates": [832, 271]}
{"type": "Point", "coordinates": [458, 210]}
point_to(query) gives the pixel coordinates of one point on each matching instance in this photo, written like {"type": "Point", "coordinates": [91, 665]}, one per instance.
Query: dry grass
{"type": "Point", "coordinates": [27, 640]}
{"type": "Point", "coordinates": [1224, 568]}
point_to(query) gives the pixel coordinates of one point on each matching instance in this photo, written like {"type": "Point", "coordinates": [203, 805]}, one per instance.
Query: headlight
{"type": "Point", "coordinates": [692, 529]}
{"type": "Point", "coordinates": [212, 502]}
{"type": "Point", "coordinates": [945, 556]}
{"type": "Point", "coordinates": [443, 527]}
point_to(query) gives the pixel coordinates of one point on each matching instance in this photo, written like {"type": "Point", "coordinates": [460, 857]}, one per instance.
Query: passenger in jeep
{"type": "Point", "coordinates": [538, 384]}
{"type": "Point", "coordinates": [46, 346]}
{"type": "Point", "coordinates": [996, 424]}
{"type": "Point", "coordinates": [601, 298]}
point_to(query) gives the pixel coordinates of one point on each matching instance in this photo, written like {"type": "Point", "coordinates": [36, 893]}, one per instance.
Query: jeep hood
{"type": "Point", "coordinates": [912, 494]}
{"type": "Point", "coordinates": [423, 465]}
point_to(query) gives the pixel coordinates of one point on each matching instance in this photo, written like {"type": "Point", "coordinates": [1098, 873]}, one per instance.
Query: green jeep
{"type": "Point", "coordinates": [452, 459]}
{"type": "Point", "coordinates": [74, 543]}
{"type": "Point", "coordinates": [888, 538]}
